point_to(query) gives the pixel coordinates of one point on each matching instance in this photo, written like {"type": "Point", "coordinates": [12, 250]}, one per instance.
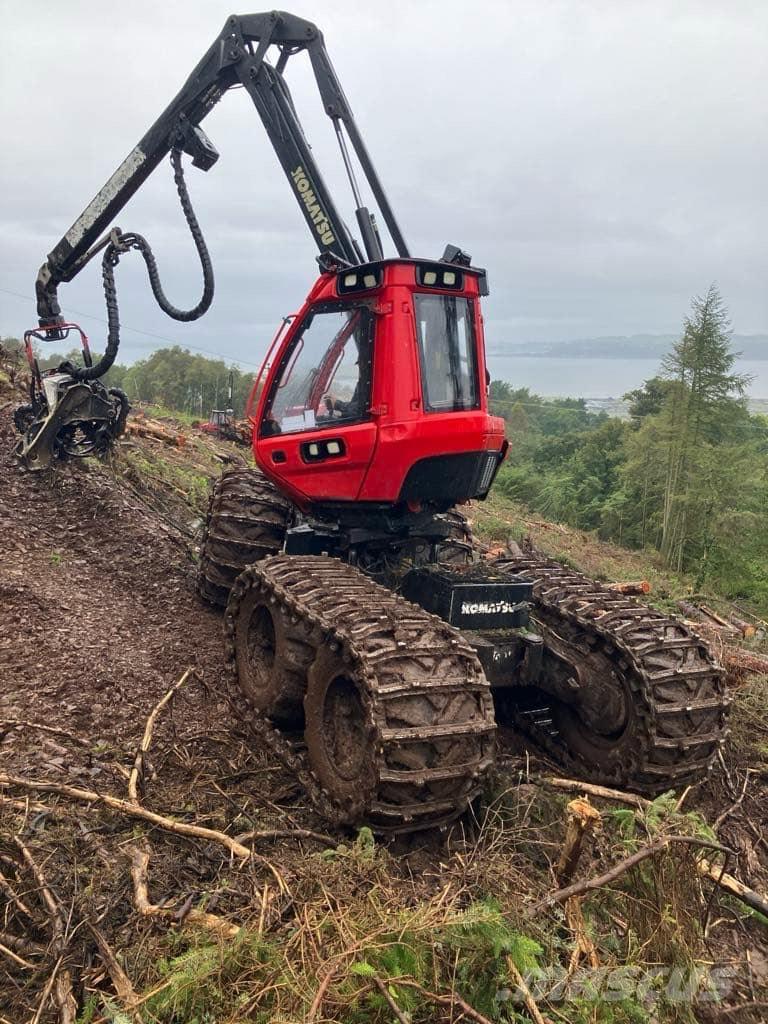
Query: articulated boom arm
{"type": "Point", "coordinates": [237, 57]}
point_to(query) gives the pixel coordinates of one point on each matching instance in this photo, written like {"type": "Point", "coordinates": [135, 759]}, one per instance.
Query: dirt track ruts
{"type": "Point", "coordinates": [98, 614]}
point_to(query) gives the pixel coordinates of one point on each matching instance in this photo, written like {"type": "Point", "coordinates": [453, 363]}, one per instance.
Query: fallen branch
{"type": "Point", "coordinates": [11, 894]}
{"type": "Point", "coordinates": [25, 946]}
{"type": "Point", "coordinates": [122, 983]}
{"type": "Point", "coordinates": [88, 796]}
{"type": "Point", "coordinates": [52, 979]}
{"type": "Point", "coordinates": [454, 1001]}
{"type": "Point", "coordinates": [286, 833]}
{"type": "Point", "coordinates": [62, 987]}
{"type": "Point", "coordinates": [736, 803]}
{"type": "Point", "coordinates": [716, 618]}
{"type": "Point", "coordinates": [726, 881]}
{"type": "Point", "coordinates": [733, 886]}
{"type": "Point", "coordinates": [616, 795]}
{"type": "Point", "coordinates": [19, 961]}
{"type": "Point", "coordinates": [13, 723]}
{"type": "Point", "coordinates": [322, 988]}
{"type": "Point", "coordinates": [590, 884]}
{"type": "Point", "coordinates": [390, 1000]}
{"type": "Point", "coordinates": [26, 805]}
{"type": "Point", "coordinates": [138, 765]}
{"type": "Point", "coordinates": [530, 1002]}
{"type": "Point", "coordinates": [139, 866]}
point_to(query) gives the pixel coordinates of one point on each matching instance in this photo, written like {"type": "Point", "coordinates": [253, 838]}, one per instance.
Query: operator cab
{"type": "Point", "coordinates": [377, 391]}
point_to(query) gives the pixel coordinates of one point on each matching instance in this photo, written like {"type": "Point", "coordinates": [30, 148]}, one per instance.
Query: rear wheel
{"type": "Point", "coordinates": [246, 521]}
{"type": "Point", "coordinates": [649, 708]}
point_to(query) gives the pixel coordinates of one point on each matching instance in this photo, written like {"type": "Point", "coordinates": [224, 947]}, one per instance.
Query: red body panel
{"type": "Point", "coordinates": [400, 432]}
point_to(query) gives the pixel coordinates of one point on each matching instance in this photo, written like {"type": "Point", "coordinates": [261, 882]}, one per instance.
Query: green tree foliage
{"type": "Point", "coordinates": [703, 410]}
{"type": "Point", "coordinates": [649, 399]}
{"type": "Point", "coordinates": [171, 377]}
{"type": "Point", "coordinates": [688, 474]}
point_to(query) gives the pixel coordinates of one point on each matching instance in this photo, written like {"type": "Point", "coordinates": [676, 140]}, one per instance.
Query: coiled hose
{"type": "Point", "coordinates": [121, 243]}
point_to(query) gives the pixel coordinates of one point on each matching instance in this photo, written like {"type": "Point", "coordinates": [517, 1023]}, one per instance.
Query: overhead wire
{"type": "Point", "coordinates": [137, 330]}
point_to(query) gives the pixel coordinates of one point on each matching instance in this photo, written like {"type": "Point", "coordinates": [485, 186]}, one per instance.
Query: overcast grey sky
{"type": "Point", "coordinates": [604, 160]}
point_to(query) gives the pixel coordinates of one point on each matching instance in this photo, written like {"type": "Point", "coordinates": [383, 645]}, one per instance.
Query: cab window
{"type": "Point", "coordinates": [325, 376]}
{"type": "Point", "coordinates": [447, 352]}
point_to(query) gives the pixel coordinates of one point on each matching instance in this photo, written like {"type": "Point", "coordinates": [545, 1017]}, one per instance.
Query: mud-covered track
{"type": "Point", "coordinates": [679, 705]}
{"type": "Point", "coordinates": [246, 521]}
{"type": "Point", "coordinates": [426, 724]}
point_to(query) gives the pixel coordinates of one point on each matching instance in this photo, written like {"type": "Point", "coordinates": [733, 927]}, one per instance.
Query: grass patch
{"type": "Point", "coordinates": [363, 932]}
{"type": "Point", "coordinates": [187, 483]}
{"type": "Point", "coordinates": [162, 412]}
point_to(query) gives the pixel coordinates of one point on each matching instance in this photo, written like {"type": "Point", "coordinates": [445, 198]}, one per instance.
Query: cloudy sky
{"type": "Point", "coordinates": [606, 160]}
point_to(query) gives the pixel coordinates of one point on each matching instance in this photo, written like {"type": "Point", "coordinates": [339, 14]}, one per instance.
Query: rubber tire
{"type": "Point", "coordinates": [246, 521]}
{"type": "Point", "coordinates": [326, 669]}
{"type": "Point", "coordinates": [275, 681]}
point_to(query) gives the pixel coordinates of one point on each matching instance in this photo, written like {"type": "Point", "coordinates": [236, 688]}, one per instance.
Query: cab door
{"type": "Point", "coordinates": [316, 436]}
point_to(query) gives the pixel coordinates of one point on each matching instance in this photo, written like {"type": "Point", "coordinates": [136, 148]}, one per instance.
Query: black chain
{"type": "Point", "coordinates": [121, 243]}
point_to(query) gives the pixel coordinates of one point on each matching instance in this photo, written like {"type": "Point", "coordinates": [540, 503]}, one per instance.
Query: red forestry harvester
{"type": "Point", "coordinates": [358, 612]}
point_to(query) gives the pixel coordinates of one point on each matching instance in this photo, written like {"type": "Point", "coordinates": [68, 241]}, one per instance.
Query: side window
{"type": "Point", "coordinates": [447, 352]}
{"type": "Point", "coordinates": [325, 376]}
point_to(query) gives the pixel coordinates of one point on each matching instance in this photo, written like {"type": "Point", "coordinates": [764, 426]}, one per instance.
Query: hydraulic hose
{"type": "Point", "coordinates": [121, 243]}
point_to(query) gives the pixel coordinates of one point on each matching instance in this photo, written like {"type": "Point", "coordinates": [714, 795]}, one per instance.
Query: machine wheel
{"type": "Point", "coordinates": [246, 521]}
{"type": "Point", "coordinates": [339, 733]}
{"type": "Point", "coordinates": [399, 724]}
{"type": "Point", "coordinates": [272, 658]}
{"type": "Point", "coordinates": [650, 704]}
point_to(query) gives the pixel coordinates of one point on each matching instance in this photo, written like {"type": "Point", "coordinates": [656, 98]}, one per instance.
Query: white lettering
{"type": "Point", "coordinates": [315, 211]}
{"type": "Point", "coordinates": [486, 607]}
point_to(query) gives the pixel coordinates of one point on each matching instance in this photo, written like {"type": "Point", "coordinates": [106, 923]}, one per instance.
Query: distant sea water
{"type": "Point", "coordinates": [596, 378]}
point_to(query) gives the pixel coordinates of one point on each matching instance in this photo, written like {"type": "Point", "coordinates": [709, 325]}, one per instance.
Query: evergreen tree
{"type": "Point", "coordinates": [706, 398]}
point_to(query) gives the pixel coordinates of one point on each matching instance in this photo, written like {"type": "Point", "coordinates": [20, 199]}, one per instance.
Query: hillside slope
{"type": "Point", "coordinates": [100, 619]}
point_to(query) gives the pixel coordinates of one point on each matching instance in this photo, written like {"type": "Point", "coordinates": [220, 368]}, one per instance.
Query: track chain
{"type": "Point", "coordinates": [246, 521]}
{"type": "Point", "coordinates": [429, 718]}
{"type": "Point", "coordinates": [678, 688]}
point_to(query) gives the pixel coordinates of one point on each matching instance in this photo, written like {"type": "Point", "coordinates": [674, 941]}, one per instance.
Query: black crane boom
{"type": "Point", "coordinates": [238, 57]}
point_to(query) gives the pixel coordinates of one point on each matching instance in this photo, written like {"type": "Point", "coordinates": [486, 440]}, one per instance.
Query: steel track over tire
{"type": "Point", "coordinates": [272, 657]}
{"type": "Point", "coordinates": [246, 521]}
{"type": "Point", "coordinates": [663, 675]}
{"type": "Point", "coordinates": [399, 716]}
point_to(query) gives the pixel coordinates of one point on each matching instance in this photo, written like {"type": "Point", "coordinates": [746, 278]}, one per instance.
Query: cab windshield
{"type": "Point", "coordinates": [447, 352]}
{"type": "Point", "coordinates": [325, 376]}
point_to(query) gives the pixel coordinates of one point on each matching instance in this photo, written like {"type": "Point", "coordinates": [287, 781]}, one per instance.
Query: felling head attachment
{"type": "Point", "coordinates": [66, 417]}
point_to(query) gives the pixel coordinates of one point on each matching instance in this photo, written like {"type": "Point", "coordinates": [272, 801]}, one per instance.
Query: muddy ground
{"type": "Point", "coordinates": [98, 618]}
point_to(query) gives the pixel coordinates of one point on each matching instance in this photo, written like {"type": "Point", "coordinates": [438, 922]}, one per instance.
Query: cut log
{"type": "Point", "coordinates": [147, 428]}
{"type": "Point", "coordinates": [631, 587]}
{"type": "Point", "coordinates": [703, 617]}
{"type": "Point", "coordinates": [746, 628]}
